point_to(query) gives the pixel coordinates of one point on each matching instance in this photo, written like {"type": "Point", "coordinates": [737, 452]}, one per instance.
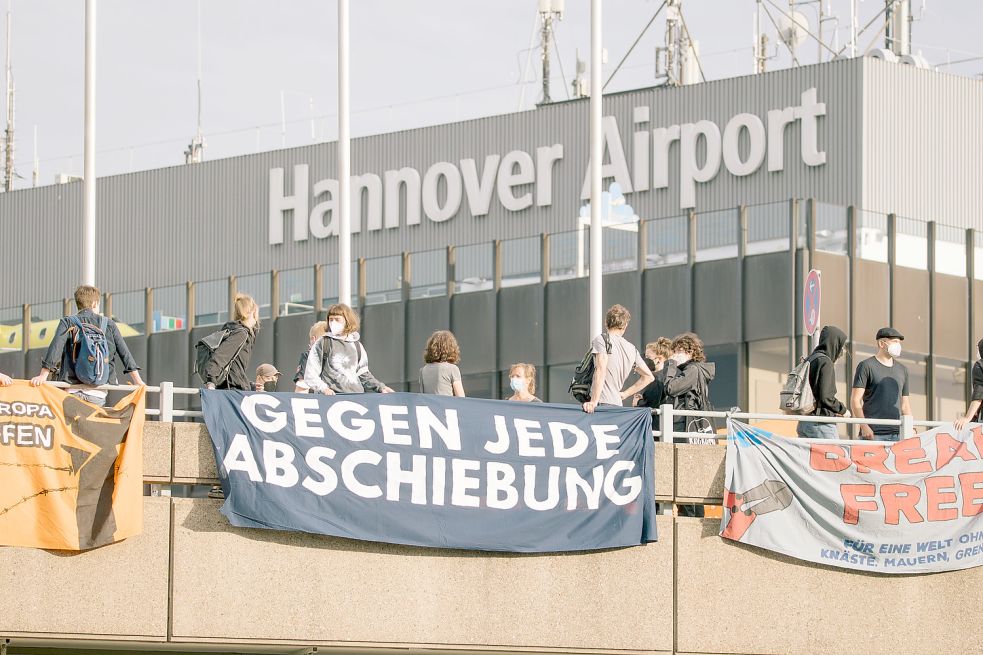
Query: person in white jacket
{"type": "Point", "coordinates": [337, 362]}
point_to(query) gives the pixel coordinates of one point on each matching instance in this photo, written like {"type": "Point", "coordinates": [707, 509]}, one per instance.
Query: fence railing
{"type": "Point", "coordinates": [166, 390]}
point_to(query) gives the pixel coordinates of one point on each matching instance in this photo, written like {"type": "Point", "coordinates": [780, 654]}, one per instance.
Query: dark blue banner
{"type": "Point", "coordinates": [435, 471]}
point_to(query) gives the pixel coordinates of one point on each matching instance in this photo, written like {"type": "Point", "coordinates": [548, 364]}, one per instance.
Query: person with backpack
{"type": "Point", "coordinates": [337, 362]}
{"type": "Point", "coordinates": [973, 413]}
{"type": "Point", "coordinates": [226, 367]}
{"type": "Point", "coordinates": [317, 331]}
{"type": "Point", "coordinates": [614, 359]}
{"type": "Point", "coordinates": [84, 349]}
{"type": "Point", "coordinates": [688, 375]}
{"type": "Point", "coordinates": [822, 383]}
{"type": "Point", "coordinates": [440, 374]}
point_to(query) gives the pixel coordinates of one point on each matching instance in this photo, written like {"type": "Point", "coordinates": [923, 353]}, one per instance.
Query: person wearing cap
{"type": "Point", "coordinates": [266, 377]}
{"type": "Point", "coordinates": [880, 387]}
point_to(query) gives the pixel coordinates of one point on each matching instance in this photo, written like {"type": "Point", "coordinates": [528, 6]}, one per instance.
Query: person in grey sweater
{"type": "Point", "coordinates": [337, 362]}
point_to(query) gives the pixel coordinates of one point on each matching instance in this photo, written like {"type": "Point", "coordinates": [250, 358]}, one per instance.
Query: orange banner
{"type": "Point", "coordinates": [71, 473]}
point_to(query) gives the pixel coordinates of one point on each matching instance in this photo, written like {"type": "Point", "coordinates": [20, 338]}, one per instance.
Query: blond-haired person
{"type": "Point", "coordinates": [228, 366]}
{"type": "Point", "coordinates": [338, 362]}
{"type": "Point", "coordinates": [57, 358]}
{"type": "Point", "coordinates": [440, 374]}
{"type": "Point", "coordinates": [522, 381]}
{"type": "Point", "coordinates": [317, 331]}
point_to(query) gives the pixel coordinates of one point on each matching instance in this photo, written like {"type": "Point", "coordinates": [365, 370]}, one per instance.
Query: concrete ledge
{"type": "Point", "coordinates": [664, 471]}
{"type": "Point", "coordinates": [329, 590]}
{"type": "Point", "coordinates": [732, 598]}
{"type": "Point", "coordinates": [118, 590]}
{"type": "Point", "coordinates": [194, 459]}
{"type": "Point", "coordinates": [699, 473]}
{"type": "Point", "coordinates": [156, 451]}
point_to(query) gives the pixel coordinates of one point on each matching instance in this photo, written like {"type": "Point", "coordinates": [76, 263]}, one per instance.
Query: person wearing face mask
{"type": "Point", "coordinates": [688, 375]}
{"type": "Point", "coordinates": [338, 362]}
{"type": "Point", "coordinates": [522, 381]}
{"type": "Point", "coordinates": [880, 387]}
{"type": "Point", "coordinates": [822, 381]}
{"type": "Point", "coordinates": [232, 355]}
{"type": "Point", "coordinates": [652, 396]}
{"type": "Point", "coordinates": [266, 377]}
{"type": "Point", "coordinates": [317, 331]}
{"type": "Point", "coordinates": [973, 413]}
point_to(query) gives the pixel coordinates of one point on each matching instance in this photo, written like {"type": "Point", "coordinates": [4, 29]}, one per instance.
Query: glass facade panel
{"type": "Point", "coordinates": [330, 283]}
{"type": "Point", "coordinates": [521, 261]}
{"type": "Point", "coordinates": [716, 235]}
{"type": "Point", "coordinates": [950, 389]}
{"type": "Point", "coordinates": [170, 308]}
{"type": "Point", "coordinates": [296, 291]}
{"type": "Point", "coordinates": [620, 248]}
{"type": "Point", "coordinates": [872, 236]}
{"type": "Point", "coordinates": [667, 242]}
{"type": "Point", "coordinates": [568, 255]}
{"type": "Point", "coordinates": [383, 279]}
{"type": "Point", "coordinates": [767, 228]}
{"type": "Point", "coordinates": [912, 243]}
{"type": "Point", "coordinates": [211, 302]}
{"type": "Point", "coordinates": [474, 268]}
{"type": "Point", "coordinates": [831, 228]}
{"type": "Point", "coordinates": [428, 273]}
{"type": "Point", "coordinates": [129, 312]}
{"type": "Point", "coordinates": [259, 287]}
{"type": "Point", "coordinates": [950, 250]}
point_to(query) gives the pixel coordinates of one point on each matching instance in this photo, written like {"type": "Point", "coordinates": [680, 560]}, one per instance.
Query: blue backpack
{"type": "Point", "coordinates": [88, 350]}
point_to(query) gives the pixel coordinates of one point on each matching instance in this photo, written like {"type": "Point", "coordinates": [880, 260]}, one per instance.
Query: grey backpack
{"type": "Point", "coordinates": [796, 396]}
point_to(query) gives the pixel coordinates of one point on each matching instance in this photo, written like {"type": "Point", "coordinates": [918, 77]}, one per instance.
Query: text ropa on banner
{"type": "Point", "coordinates": [912, 506]}
{"type": "Point", "coordinates": [435, 471]}
{"type": "Point", "coordinates": [71, 473]}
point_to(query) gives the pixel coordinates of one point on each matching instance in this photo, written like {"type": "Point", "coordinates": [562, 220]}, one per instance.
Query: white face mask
{"type": "Point", "coordinates": [681, 358]}
{"type": "Point", "coordinates": [517, 384]}
{"type": "Point", "coordinates": [336, 327]}
{"type": "Point", "coordinates": [894, 349]}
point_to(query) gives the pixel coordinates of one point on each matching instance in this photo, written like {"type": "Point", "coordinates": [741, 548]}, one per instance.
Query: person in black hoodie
{"type": "Point", "coordinates": [973, 412]}
{"type": "Point", "coordinates": [822, 381]}
{"type": "Point", "coordinates": [688, 375]}
{"type": "Point", "coordinates": [228, 366]}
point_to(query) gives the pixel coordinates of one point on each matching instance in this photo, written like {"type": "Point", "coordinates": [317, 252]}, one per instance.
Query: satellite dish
{"type": "Point", "coordinates": [793, 28]}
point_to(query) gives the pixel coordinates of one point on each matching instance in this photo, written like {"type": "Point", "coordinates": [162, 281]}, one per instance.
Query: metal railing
{"type": "Point", "coordinates": [166, 390]}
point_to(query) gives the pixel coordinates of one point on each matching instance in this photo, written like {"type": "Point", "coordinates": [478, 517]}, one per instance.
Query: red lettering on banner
{"type": "Point", "coordinates": [977, 434]}
{"type": "Point", "coordinates": [852, 503]}
{"type": "Point", "coordinates": [869, 457]}
{"type": "Point", "coordinates": [949, 448]}
{"type": "Point", "coordinates": [971, 485]}
{"type": "Point", "coordinates": [906, 452]}
{"type": "Point", "coordinates": [934, 486]}
{"type": "Point", "coordinates": [828, 457]}
{"type": "Point", "coordinates": [900, 499]}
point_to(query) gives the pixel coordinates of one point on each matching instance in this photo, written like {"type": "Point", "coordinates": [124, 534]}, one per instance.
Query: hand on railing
{"type": "Point", "coordinates": [5, 380]}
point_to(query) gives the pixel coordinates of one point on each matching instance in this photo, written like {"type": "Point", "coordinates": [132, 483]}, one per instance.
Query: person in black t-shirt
{"type": "Point", "coordinates": [880, 387]}
{"type": "Point", "coordinates": [656, 354]}
{"type": "Point", "coordinates": [973, 413]}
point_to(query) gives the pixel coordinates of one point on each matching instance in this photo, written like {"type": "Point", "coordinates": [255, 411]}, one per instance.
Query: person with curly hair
{"type": "Point", "coordinates": [440, 374]}
{"type": "Point", "coordinates": [688, 375]}
{"type": "Point", "coordinates": [522, 381]}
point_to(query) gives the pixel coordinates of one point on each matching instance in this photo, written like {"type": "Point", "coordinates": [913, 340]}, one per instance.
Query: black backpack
{"type": "Point", "coordinates": [583, 375]}
{"type": "Point", "coordinates": [205, 351]}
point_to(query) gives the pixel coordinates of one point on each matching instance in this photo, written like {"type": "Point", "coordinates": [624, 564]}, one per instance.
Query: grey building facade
{"type": "Point", "coordinates": [867, 170]}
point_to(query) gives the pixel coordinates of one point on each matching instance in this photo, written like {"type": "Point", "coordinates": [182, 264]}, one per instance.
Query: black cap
{"type": "Point", "coordinates": [888, 333]}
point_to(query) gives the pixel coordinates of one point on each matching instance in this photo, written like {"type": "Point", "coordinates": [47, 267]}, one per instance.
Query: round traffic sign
{"type": "Point", "coordinates": [812, 296]}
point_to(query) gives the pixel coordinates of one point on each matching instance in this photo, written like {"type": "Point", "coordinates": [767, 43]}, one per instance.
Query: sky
{"type": "Point", "coordinates": [413, 63]}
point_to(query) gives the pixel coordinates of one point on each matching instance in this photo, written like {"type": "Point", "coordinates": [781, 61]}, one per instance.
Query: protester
{"type": "Point", "coordinates": [338, 362]}
{"type": "Point", "coordinates": [822, 381]}
{"type": "Point", "coordinates": [317, 331]}
{"type": "Point", "coordinates": [652, 396]}
{"type": "Point", "coordinates": [614, 360]}
{"type": "Point", "coordinates": [522, 381]}
{"type": "Point", "coordinates": [267, 377]}
{"type": "Point", "coordinates": [440, 374]}
{"type": "Point", "coordinates": [973, 412]}
{"type": "Point", "coordinates": [60, 356]}
{"type": "Point", "coordinates": [5, 380]}
{"type": "Point", "coordinates": [880, 387]}
{"type": "Point", "coordinates": [688, 375]}
{"type": "Point", "coordinates": [233, 354]}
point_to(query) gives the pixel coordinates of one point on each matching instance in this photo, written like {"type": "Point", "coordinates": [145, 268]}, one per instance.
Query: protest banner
{"type": "Point", "coordinates": [71, 473]}
{"type": "Point", "coordinates": [912, 506]}
{"type": "Point", "coordinates": [435, 471]}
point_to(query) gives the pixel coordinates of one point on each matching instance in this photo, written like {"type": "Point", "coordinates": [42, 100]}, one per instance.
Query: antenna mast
{"type": "Point", "coordinates": [8, 164]}
{"type": "Point", "coordinates": [196, 151]}
{"type": "Point", "coordinates": [548, 11]}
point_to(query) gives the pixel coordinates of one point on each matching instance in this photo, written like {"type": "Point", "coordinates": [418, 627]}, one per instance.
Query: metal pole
{"type": "Point", "coordinates": [596, 156]}
{"type": "Point", "coordinates": [89, 150]}
{"type": "Point", "coordinates": [344, 163]}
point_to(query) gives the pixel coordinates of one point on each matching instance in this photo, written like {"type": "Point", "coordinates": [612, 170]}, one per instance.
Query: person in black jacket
{"type": "Point", "coordinates": [657, 353]}
{"type": "Point", "coordinates": [822, 381]}
{"type": "Point", "coordinates": [973, 412]}
{"type": "Point", "coordinates": [228, 366]}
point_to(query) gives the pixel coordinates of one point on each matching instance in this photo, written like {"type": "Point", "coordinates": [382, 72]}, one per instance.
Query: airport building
{"type": "Point", "coordinates": [721, 197]}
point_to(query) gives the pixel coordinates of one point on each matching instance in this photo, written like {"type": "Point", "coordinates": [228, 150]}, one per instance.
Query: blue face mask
{"type": "Point", "coordinates": [517, 384]}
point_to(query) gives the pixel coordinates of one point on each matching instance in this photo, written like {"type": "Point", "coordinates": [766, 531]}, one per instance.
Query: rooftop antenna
{"type": "Point", "coordinates": [680, 58]}
{"type": "Point", "coordinates": [760, 44]}
{"type": "Point", "coordinates": [548, 11]}
{"type": "Point", "coordinates": [196, 150]}
{"type": "Point", "coordinates": [8, 164]}
{"type": "Point", "coordinates": [793, 28]}
{"type": "Point", "coordinates": [897, 26]}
